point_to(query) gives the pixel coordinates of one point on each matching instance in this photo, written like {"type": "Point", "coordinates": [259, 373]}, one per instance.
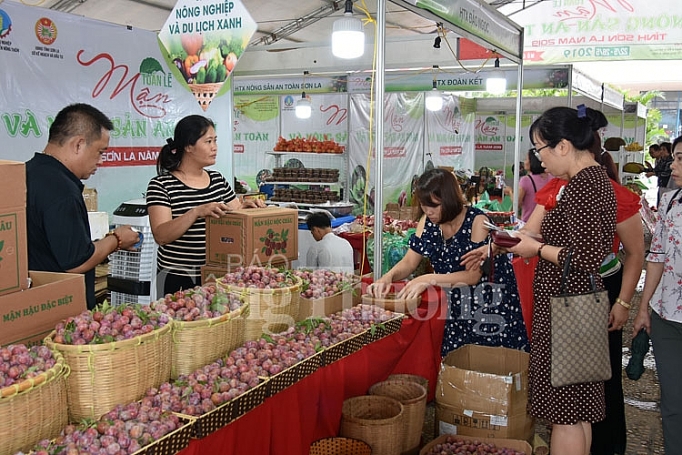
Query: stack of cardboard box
{"type": "Point", "coordinates": [31, 303]}
{"type": "Point", "coordinates": [262, 237]}
{"type": "Point", "coordinates": [483, 392]}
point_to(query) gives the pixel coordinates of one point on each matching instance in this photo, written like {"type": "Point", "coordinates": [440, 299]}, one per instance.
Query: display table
{"type": "Point", "coordinates": [291, 420]}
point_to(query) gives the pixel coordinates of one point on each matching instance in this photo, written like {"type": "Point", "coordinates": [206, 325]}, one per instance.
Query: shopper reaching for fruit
{"type": "Point", "coordinates": [57, 220]}
{"type": "Point", "coordinates": [482, 310]}
{"type": "Point", "coordinates": [180, 198]}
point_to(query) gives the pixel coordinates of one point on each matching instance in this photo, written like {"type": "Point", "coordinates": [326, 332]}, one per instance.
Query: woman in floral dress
{"type": "Point", "coordinates": [581, 220]}
{"type": "Point", "coordinates": [481, 311]}
{"type": "Point", "coordinates": [663, 294]}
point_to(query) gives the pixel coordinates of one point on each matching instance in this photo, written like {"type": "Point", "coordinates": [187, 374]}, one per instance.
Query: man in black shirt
{"type": "Point", "coordinates": [58, 230]}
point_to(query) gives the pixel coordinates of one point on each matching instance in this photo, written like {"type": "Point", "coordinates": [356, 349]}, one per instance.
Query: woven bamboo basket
{"type": "Point", "coordinates": [104, 375]}
{"type": "Point", "coordinates": [33, 409]}
{"type": "Point", "coordinates": [374, 419]}
{"type": "Point", "coordinates": [422, 381]}
{"type": "Point", "coordinates": [340, 446]}
{"type": "Point", "coordinates": [270, 310]}
{"type": "Point", "coordinates": [198, 343]}
{"type": "Point", "coordinates": [204, 93]}
{"type": "Point", "coordinates": [413, 398]}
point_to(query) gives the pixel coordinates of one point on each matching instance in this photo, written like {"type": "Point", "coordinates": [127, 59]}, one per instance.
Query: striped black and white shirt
{"type": "Point", "coordinates": [188, 253]}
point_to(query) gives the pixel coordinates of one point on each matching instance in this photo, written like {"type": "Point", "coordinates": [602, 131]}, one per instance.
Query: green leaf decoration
{"type": "Point", "coordinates": [150, 65]}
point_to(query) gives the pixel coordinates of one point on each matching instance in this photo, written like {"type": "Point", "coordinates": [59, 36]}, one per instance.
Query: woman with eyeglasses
{"type": "Point", "coordinates": [483, 310]}
{"type": "Point", "coordinates": [581, 219]}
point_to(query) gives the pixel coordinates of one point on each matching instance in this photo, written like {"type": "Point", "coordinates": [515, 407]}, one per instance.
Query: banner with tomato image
{"type": "Point", "coordinates": [403, 159]}
{"type": "Point", "coordinates": [202, 42]}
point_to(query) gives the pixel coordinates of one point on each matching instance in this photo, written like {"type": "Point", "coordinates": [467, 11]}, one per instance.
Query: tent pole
{"type": "Point", "coordinates": [379, 137]}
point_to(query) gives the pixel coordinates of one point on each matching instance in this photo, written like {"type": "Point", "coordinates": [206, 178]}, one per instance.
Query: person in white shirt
{"type": "Point", "coordinates": [329, 251]}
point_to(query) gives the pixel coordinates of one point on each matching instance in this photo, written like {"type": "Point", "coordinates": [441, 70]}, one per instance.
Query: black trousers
{"type": "Point", "coordinates": [609, 436]}
{"type": "Point", "coordinates": [168, 282]}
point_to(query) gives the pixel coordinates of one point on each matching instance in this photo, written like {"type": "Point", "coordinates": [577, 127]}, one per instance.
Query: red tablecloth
{"type": "Point", "coordinates": [290, 421]}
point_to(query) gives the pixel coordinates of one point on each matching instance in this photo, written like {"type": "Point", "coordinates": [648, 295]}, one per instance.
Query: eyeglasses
{"type": "Point", "coordinates": [536, 151]}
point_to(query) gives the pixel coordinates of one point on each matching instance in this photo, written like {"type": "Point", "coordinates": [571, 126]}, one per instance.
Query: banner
{"type": "Point", "coordinates": [568, 31]}
{"type": "Point", "coordinates": [256, 129]}
{"type": "Point", "coordinates": [403, 142]}
{"type": "Point", "coordinates": [494, 141]}
{"type": "Point", "coordinates": [449, 136]}
{"type": "Point", "coordinates": [50, 59]}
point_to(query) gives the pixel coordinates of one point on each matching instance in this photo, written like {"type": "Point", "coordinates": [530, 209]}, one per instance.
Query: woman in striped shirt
{"type": "Point", "coordinates": [180, 198]}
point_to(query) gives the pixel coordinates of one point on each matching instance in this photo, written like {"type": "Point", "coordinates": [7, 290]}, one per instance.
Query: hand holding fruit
{"type": "Point", "coordinates": [379, 288]}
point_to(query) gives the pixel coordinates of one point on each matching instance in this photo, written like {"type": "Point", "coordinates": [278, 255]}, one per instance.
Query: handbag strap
{"type": "Point", "coordinates": [564, 275]}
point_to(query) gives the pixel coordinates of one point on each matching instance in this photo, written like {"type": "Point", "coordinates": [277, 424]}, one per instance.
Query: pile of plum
{"type": "Point", "coordinates": [106, 323]}
{"type": "Point", "coordinates": [201, 302]}
{"type": "Point", "coordinates": [452, 445]}
{"type": "Point", "coordinates": [321, 283]}
{"type": "Point", "coordinates": [246, 366]}
{"type": "Point", "coordinates": [259, 278]}
{"type": "Point", "coordinates": [18, 363]}
{"type": "Point", "coordinates": [121, 431]}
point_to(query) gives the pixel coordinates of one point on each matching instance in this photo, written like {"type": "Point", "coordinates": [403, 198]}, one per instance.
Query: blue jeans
{"type": "Point", "coordinates": [666, 338]}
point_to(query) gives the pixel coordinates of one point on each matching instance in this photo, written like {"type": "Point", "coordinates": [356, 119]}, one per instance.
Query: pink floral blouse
{"type": "Point", "coordinates": [666, 247]}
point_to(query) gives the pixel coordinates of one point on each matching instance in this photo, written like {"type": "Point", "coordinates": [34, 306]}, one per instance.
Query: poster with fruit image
{"type": "Point", "coordinates": [202, 42]}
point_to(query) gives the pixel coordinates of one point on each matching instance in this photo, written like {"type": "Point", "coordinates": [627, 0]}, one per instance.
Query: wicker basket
{"type": "Point", "coordinates": [33, 409]}
{"type": "Point", "coordinates": [374, 419]}
{"type": "Point", "coordinates": [340, 446]}
{"type": "Point", "coordinates": [270, 310]}
{"type": "Point", "coordinates": [204, 93]}
{"type": "Point", "coordinates": [293, 374]}
{"type": "Point", "coordinates": [413, 398]}
{"type": "Point", "coordinates": [198, 343]}
{"type": "Point", "coordinates": [421, 380]}
{"type": "Point", "coordinates": [342, 349]}
{"type": "Point", "coordinates": [104, 375]}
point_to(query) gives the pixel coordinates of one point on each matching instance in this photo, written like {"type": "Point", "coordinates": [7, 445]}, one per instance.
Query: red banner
{"type": "Point", "coordinates": [130, 156]}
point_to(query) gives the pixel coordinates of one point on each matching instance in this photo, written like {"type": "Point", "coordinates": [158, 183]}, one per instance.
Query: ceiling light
{"type": "Point", "coordinates": [348, 37]}
{"type": "Point", "coordinates": [496, 83]}
{"type": "Point", "coordinates": [434, 99]}
{"type": "Point", "coordinates": [303, 107]}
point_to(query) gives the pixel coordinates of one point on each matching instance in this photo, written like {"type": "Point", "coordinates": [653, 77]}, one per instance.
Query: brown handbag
{"type": "Point", "coordinates": [580, 339]}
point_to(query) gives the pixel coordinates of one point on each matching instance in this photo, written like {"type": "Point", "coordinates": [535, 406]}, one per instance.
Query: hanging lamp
{"type": "Point", "coordinates": [496, 83]}
{"type": "Point", "coordinates": [348, 36]}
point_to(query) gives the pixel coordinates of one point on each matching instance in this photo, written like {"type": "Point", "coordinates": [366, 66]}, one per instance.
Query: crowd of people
{"type": "Point", "coordinates": [571, 202]}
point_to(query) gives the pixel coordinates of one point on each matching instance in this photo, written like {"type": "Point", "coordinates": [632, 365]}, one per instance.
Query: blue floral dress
{"type": "Point", "coordinates": [487, 314]}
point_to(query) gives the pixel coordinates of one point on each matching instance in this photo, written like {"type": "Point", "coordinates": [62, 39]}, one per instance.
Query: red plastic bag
{"type": "Point", "coordinates": [524, 269]}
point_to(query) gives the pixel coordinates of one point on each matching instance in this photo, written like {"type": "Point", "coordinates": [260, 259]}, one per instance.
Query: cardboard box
{"type": "Point", "coordinates": [13, 246]}
{"type": "Point", "coordinates": [325, 306]}
{"type": "Point", "coordinates": [99, 224]}
{"type": "Point", "coordinates": [90, 197]}
{"type": "Point", "coordinates": [489, 380]}
{"type": "Point", "coordinates": [519, 446]}
{"type": "Point", "coordinates": [29, 315]}
{"type": "Point", "coordinates": [253, 237]}
{"type": "Point", "coordinates": [465, 422]}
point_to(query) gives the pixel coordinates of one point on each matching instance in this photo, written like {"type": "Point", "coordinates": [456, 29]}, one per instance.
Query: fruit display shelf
{"type": "Point", "coordinates": [293, 374]}
{"type": "Point", "coordinates": [172, 442]}
{"type": "Point", "coordinates": [378, 331]}
{"type": "Point", "coordinates": [342, 349]}
{"type": "Point", "coordinates": [232, 410]}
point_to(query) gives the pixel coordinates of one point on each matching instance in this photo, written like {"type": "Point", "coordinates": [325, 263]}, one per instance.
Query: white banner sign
{"type": "Point", "coordinates": [50, 59]}
{"type": "Point", "coordinates": [449, 136]}
{"type": "Point", "coordinates": [569, 31]}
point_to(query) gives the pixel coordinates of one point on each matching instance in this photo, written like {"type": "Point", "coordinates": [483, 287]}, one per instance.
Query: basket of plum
{"type": "Point", "coordinates": [32, 396]}
{"type": "Point", "coordinates": [207, 324]}
{"type": "Point", "coordinates": [138, 428]}
{"type": "Point", "coordinates": [448, 444]}
{"type": "Point", "coordinates": [115, 353]}
{"type": "Point", "coordinates": [273, 296]}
